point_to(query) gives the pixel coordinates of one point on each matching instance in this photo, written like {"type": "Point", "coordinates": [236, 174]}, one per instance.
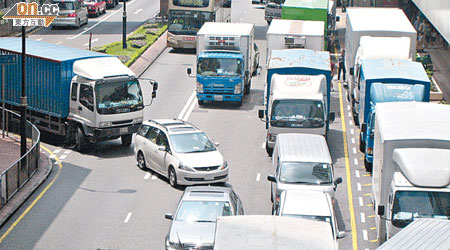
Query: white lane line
{"type": "Point", "coordinates": [348, 107]}
{"type": "Point", "coordinates": [56, 151]}
{"type": "Point", "coordinates": [62, 157]}
{"type": "Point", "coordinates": [39, 39]}
{"type": "Point", "coordinates": [352, 131]}
{"type": "Point", "coordinates": [147, 176]}
{"type": "Point", "coordinates": [363, 218]}
{"type": "Point", "coordinates": [349, 114]}
{"type": "Point", "coordinates": [127, 218]}
{"type": "Point", "coordinates": [189, 111]}
{"type": "Point", "coordinates": [258, 176]}
{"type": "Point", "coordinates": [186, 105]}
{"type": "Point", "coordinates": [365, 237]}
{"type": "Point", "coordinates": [56, 163]}
{"type": "Point", "coordinates": [137, 11]}
{"type": "Point", "coordinates": [67, 152]}
{"type": "Point", "coordinates": [153, 177]}
{"type": "Point", "coordinates": [263, 145]}
{"type": "Point", "coordinates": [356, 161]}
{"type": "Point", "coordinates": [52, 156]}
{"type": "Point", "coordinates": [241, 19]}
{"type": "Point", "coordinates": [58, 43]}
{"type": "Point", "coordinates": [358, 185]}
{"type": "Point", "coordinates": [357, 173]}
{"type": "Point", "coordinates": [354, 150]}
{"type": "Point", "coordinates": [350, 122]}
{"type": "Point", "coordinates": [92, 41]}
{"type": "Point", "coordinates": [361, 203]}
{"type": "Point", "coordinates": [353, 140]}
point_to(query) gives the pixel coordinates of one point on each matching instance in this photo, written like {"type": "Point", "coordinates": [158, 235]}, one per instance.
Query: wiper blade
{"type": "Point", "coordinates": [204, 221]}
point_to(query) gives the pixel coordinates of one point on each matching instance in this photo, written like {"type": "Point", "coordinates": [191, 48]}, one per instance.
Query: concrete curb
{"type": "Point", "coordinates": [150, 55]}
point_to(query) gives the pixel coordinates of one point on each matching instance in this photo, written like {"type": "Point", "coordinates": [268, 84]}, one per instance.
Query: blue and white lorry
{"type": "Point", "coordinates": [82, 95]}
{"type": "Point", "coordinates": [386, 80]}
{"type": "Point", "coordinates": [297, 94]}
{"type": "Point", "coordinates": [227, 58]}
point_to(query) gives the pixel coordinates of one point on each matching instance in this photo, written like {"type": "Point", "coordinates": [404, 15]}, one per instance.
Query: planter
{"type": "Point", "coordinates": [435, 95]}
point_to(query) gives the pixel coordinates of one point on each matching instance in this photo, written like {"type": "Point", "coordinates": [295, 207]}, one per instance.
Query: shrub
{"type": "Point", "coordinates": [138, 43]}
{"type": "Point", "coordinates": [137, 37]}
{"type": "Point", "coordinates": [124, 59]}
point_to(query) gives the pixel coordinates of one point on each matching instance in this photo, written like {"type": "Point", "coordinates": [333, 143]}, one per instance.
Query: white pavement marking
{"type": "Point", "coordinates": [52, 156]}
{"type": "Point", "coordinates": [353, 140]}
{"type": "Point", "coordinates": [147, 176]}
{"type": "Point", "coordinates": [127, 218]}
{"type": "Point", "coordinates": [349, 114]}
{"type": "Point", "coordinates": [153, 177]}
{"type": "Point", "coordinates": [363, 218]}
{"type": "Point", "coordinates": [241, 19]}
{"type": "Point", "coordinates": [365, 237]}
{"type": "Point", "coordinates": [56, 150]}
{"type": "Point", "coordinates": [39, 39]}
{"type": "Point", "coordinates": [62, 157]}
{"type": "Point", "coordinates": [258, 176]}
{"type": "Point", "coordinates": [357, 173]}
{"type": "Point", "coordinates": [358, 185]}
{"type": "Point", "coordinates": [58, 43]}
{"type": "Point", "coordinates": [67, 152]}
{"type": "Point", "coordinates": [92, 41]}
{"type": "Point", "coordinates": [263, 145]}
{"type": "Point", "coordinates": [352, 131]}
{"type": "Point", "coordinates": [354, 150]}
{"type": "Point", "coordinates": [186, 105]}
{"type": "Point", "coordinates": [348, 107]}
{"type": "Point", "coordinates": [189, 111]}
{"type": "Point", "coordinates": [361, 203]}
{"type": "Point", "coordinates": [137, 11]}
{"type": "Point", "coordinates": [356, 161]}
{"type": "Point", "coordinates": [350, 122]}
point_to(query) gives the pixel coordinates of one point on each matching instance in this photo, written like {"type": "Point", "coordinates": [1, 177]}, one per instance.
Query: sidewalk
{"type": "Point", "coordinates": [10, 149]}
{"type": "Point", "coordinates": [441, 65]}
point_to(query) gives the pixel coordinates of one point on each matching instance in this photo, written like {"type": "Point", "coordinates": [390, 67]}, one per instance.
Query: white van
{"type": "Point", "coordinates": [303, 162]}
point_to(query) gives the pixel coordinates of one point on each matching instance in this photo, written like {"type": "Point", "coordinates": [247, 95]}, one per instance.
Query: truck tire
{"type": "Point", "coordinates": [201, 102]}
{"type": "Point", "coordinates": [269, 150]}
{"type": "Point", "coordinates": [362, 145]}
{"type": "Point", "coordinates": [126, 140]}
{"type": "Point", "coordinates": [239, 103]}
{"type": "Point", "coordinates": [247, 88]}
{"type": "Point", "coordinates": [80, 141]}
{"type": "Point", "coordinates": [367, 165]}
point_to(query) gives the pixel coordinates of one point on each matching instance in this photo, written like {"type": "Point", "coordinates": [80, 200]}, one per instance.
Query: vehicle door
{"type": "Point", "coordinates": [161, 157]}
{"type": "Point", "coordinates": [140, 140]}
{"type": "Point", "coordinates": [149, 148]}
{"type": "Point", "coordinates": [86, 105]}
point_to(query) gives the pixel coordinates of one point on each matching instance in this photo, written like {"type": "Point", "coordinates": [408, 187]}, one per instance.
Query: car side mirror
{"type": "Point", "coordinates": [161, 148]}
{"type": "Point", "coordinates": [168, 216]}
{"type": "Point", "coordinates": [261, 114]}
{"type": "Point", "coordinates": [364, 127]}
{"type": "Point", "coordinates": [332, 116]}
{"type": "Point", "coordinates": [271, 178]}
{"type": "Point", "coordinates": [189, 71]}
{"type": "Point", "coordinates": [380, 210]}
{"type": "Point", "coordinates": [352, 71]}
{"type": "Point", "coordinates": [341, 234]}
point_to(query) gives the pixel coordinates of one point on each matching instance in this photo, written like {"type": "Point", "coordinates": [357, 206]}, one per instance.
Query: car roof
{"type": "Point", "coordinates": [174, 126]}
{"type": "Point", "coordinates": [207, 193]}
{"type": "Point", "coordinates": [306, 203]}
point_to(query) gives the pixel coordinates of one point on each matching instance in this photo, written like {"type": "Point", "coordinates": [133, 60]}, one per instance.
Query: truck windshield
{"type": "Point", "coordinates": [416, 204]}
{"type": "Point", "coordinates": [219, 67]}
{"type": "Point", "coordinates": [297, 113]}
{"type": "Point", "coordinates": [305, 173]}
{"type": "Point", "coordinates": [118, 97]}
{"type": "Point", "coordinates": [187, 22]}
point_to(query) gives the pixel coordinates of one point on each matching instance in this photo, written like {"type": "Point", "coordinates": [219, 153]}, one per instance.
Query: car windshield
{"type": "Point", "coordinates": [415, 204]}
{"type": "Point", "coordinates": [192, 143]}
{"type": "Point", "coordinates": [297, 113]}
{"type": "Point", "coordinates": [305, 173]}
{"type": "Point", "coordinates": [118, 97]}
{"type": "Point", "coordinates": [202, 211]}
{"type": "Point", "coordinates": [219, 67]}
{"type": "Point", "coordinates": [65, 5]}
{"type": "Point", "coordinates": [187, 22]}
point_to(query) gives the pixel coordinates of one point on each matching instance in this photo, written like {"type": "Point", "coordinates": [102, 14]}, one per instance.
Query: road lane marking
{"type": "Point", "coordinates": [27, 210]}
{"type": "Point", "coordinates": [147, 176]}
{"type": "Point", "coordinates": [368, 184]}
{"type": "Point", "coordinates": [358, 185]}
{"type": "Point", "coordinates": [349, 115]}
{"type": "Point", "coordinates": [189, 111]}
{"type": "Point", "coordinates": [58, 43]}
{"type": "Point", "coordinates": [92, 41]}
{"type": "Point", "coordinates": [57, 150]}
{"type": "Point", "coordinates": [350, 122]}
{"type": "Point", "coordinates": [371, 216]}
{"type": "Point", "coordinates": [127, 218]}
{"type": "Point", "coordinates": [39, 39]}
{"type": "Point", "coordinates": [52, 156]}
{"type": "Point", "coordinates": [258, 176]}
{"type": "Point", "coordinates": [67, 152]}
{"type": "Point", "coordinates": [186, 105]}
{"type": "Point", "coordinates": [366, 175]}
{"type": "Point", "coordinates": [137, 11]}
{"type": "Point", "coordinates": [361, 202]}
{"type": "Point", "coordinates": [348, 107]}
{"type": "Point", "coordinates": [369, 194]}
{"type": "Point", "coordinates": [153, 177]}
{"type": "Point", "coordinates": [63, 157]}
{"type": "Point", "coordinates": [363, 218]}
{"type": "Point", "coordinates": [352, 131]}
{"type": "Point", "coordinates": [348, 175]}
{"type": "Point", "coordinates": [354, 150]}
{"type": "Point", "coordinates": [373, 228]}
{"type": "Point", "coordinates": [365, 236]}
{"type": "Point", "coordinates": [353, 140]}
{"type": "Point", "coordinates": [355, 161]}
{"type": "Point", "coordinates": [357, 173]}
{"type": "Point", "coordinates": [263, 145]}
{"type": "Point", "coordinates": [373, 241]}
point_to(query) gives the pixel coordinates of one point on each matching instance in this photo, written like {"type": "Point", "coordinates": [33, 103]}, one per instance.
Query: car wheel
{"type": "Point", "coordinates": [172, 177]}
{"type": "Point", "coordinates": [126, 140]}
{"type": "Point", "coordinates": [269, 150]}
{"type": "Point", "coordinates": [141, 161]}
{"type": "Point", "coordinates": [80, 141]}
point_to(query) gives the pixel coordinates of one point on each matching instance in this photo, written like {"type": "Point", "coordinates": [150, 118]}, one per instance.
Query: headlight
{"type": "Point", "coordinates": [138, 120]}
{"type": "Point", "coordinates": [199, 87]}
{"type": "Point", "coordinates": [224, 165]}
{"type": "Point", "coordinates": [185, 168]}
{"type": "Point", "coordinates": [171, 245]}
{"type": "Point", "coordinates": [104, 124]}
{"type": "Point", "coordinates": [238, 88]}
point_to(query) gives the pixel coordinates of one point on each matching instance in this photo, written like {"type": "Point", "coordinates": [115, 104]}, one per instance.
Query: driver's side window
{"type": "Point", "coordinates": [87, 96]}
{"type": "Point", "coordinates": [162, 140]}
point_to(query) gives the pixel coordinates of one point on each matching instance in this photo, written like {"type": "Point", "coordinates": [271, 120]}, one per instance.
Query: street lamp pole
{"type": "Point", "coordinates": [23, 102]}
{"type": "Point", "coordinates": [124, 22]}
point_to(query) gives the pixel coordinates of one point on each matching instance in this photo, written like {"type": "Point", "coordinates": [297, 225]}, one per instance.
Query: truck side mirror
{"type": "Point", "coordinates": [341, 234]}
{"type": "Point", "coordinates": [168, 216]}
{"type": "Point", "coordinates": [380, 210]}
{"type": "Point", "coordinates": [271, 178]}
{"type": "Point", "coordinates": [338, 18]}
{"type": "Point", "coordinates": [332, 116]}
{"type": "Point", "coordinates": [154, 94]}
{"type": "Point", "coordinates": [352, 71]}
{"type": "Point", "coordinates": [338, 181]}
{"type": "Point", "coordinates": [189, 71]}
{"type": "Point", "coordinates": [364, 127]}
{"type": "Point", "coordinates": [261, 114]}
{"type": "Point", "coordinates": [155, 85]}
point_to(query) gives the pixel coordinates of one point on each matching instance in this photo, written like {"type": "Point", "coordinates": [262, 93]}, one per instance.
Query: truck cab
{"type": "Point", "coordinates": [273, 10]}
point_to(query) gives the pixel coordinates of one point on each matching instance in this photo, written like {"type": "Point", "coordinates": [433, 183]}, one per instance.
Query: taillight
{"type": "Point", "coordinates": [72, 15]}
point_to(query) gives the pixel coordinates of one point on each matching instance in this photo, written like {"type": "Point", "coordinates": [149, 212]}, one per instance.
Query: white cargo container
{"type": "Point", "coordinates": [411, 171]}
{"type": "Point", "coordinates": [288, 34]}
{"type": "Point", "coordinates": [380, 22]}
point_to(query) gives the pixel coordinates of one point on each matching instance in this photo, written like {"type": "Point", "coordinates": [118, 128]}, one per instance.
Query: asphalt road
{"type": "Point", "coordinates": [101, 200]}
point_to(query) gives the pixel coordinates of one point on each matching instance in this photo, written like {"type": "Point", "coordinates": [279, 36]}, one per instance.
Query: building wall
{"type": "Point", "coordinates": [438, 13]}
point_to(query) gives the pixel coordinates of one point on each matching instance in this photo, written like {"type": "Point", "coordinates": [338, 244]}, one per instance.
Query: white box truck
{"type": "Point", "coordinates": [227, 57]}
{"type": "Point", "coordinates": [379, 22]}
{"type": "Point", "coordinates": [288, 34]}
{"type": "Point", "coordinates": [411, 170]}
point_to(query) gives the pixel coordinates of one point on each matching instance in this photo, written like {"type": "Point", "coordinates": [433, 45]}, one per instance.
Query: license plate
{"type": "Point", "coordinates": [218, 98]}
{"type": "Point", "coordinates": [123, 130]}
{"type": "Point", "coordinates": [209, 177]}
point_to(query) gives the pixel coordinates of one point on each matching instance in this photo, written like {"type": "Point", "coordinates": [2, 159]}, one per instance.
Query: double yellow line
{"type": "Point", "coordinates": [37, 198]}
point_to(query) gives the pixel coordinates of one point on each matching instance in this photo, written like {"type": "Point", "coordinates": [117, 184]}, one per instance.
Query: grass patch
{"type": "Point", "coordinates": [132, 53]}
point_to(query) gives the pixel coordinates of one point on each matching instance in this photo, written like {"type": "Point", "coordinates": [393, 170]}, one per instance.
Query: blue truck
{"type": "Point", "coordinates": [386, 80]}
{"type": "Point", "coordinates": [227, 58]}
{"type": "Point", "coordinates": [300, 80]}
{"type": "Point", "coordinates": [82, 95]}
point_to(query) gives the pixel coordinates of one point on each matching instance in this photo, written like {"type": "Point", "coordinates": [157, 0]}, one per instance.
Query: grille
{"type": "Point", "coordinates": [215, 90]}
{"type": "Point", "coordinates": [205, 169]}
{"type": "Point", "coordinates": [122, 122]}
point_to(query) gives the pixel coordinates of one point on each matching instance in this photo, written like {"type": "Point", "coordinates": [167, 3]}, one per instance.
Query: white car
{"type": "Point", "coordinates": [180, 151]}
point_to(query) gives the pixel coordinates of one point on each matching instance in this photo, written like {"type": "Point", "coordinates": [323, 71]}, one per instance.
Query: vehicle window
{"type": "Point", "coordinates": [152, 134]}
{"type": "Point", "coordinates": [87, 96]}
{"type": "Point", "coordinates": [65, 5]}
{"type": "Point", "coordinates": [191, 143]}
{"type": "Point", "coordinates": [74, 91]}
{"type": "Point", "coordinates": [203, 211]}
{"type": "Point", "coordinates": [234, 200]}
{"type": "Point", "coordinates": [143, 130]}
{"type": "Point", "coordinates": [162, 140]}
{"type": "Point", "coordinates": [305, 172]}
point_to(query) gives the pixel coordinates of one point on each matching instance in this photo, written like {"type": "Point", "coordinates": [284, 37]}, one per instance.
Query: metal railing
{"type": "Point", "coordinates": [15, 177]}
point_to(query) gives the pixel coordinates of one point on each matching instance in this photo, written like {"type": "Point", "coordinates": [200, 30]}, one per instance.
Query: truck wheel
{"type": "Point", "coordinates": [80, 140]}
{"type": "Point", "coordinates": [362, 145]}
{"type": "Point", "coordinates": [367, 165]}
{"type": "Point", "coordinates": [126, 140]}
{"type": "Point", "coordinates": [247, 88]}
{"type": "Point", "coordinates": [201, 102]}
{"type": "Point", "coordinates": [239, 103]}
{"type": "Point", "coordinates": [269, 150]}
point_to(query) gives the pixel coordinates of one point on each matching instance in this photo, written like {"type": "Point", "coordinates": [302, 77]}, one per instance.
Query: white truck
{"type": "Point", "coordinates": [411, 170]}
{"type": "Point", "coordinates": [227, 57]}
{"type": "Point", "coordinates": [288, 34]}
{"type": "Point", "coordinates": [375, 22]}
{"type": "Point", "coordinates": [267, 232]}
